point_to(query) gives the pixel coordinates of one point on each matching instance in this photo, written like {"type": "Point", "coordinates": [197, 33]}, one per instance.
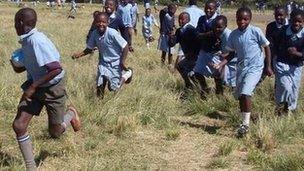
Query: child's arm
{"type": "Point", "coordinates": [53, 69]}
{"type": "Point", "coordinates": [269, 71]}
{"type": "Point", "coordinates": [226, 58]}
{"type": "Point", "coordinates": [83, 53]}
{"type": "Point", "coordinates": [294, 52]}
{"type": "Point", "coordinates": [125, 51]}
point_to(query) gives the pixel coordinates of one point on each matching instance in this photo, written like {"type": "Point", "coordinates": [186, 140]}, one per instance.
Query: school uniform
{"type": "Point", "coordinates": [208, 46]}
{"type": "Point", "coordinates": [124, 10]}
{"type": "Point", "coordinates": [38, 51]}
{"type": "Point", "coordinates": [288, 69]}
{"type": "Point", "coordinates": [203, 67]}
{"type": "Point", "coordinates": [195, 13]}
{"type": "Point", "coordinates": [166, 26]}
{"type": "Point", "coordinates": [248, 45]}
{"type": "Point", "coordinates": [110, 46]}
{"type": "Point", "coordinates": [134, 12]}
{"type": "Point", "coordinates": [186, 36]}
{"type": "Point", "coordinates": [147, 25]}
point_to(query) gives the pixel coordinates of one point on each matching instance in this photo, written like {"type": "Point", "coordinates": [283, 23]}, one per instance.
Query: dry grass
{"type": "Point", "coordinates": [145, 126]}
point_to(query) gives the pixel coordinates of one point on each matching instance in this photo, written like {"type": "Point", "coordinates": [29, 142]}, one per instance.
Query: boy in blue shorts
{"type": "Point", "coordinates": [113, 50]}
{"type": "Point", "coordinates": [289, 63]}
{"type": "Point", "coordinates": [248, 42]}
{"type": "Point", "coordinates": [44, 87]}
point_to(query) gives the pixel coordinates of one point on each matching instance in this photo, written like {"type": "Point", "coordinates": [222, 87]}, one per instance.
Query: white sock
{"type": "Point", "coordinates": [246, 118]}
{"type": "Point", "coordinates": [127, 74]}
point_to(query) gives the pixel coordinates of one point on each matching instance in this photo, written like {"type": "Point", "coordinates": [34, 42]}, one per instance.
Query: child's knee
{"type": "Point", "coordinates": [19, 127]}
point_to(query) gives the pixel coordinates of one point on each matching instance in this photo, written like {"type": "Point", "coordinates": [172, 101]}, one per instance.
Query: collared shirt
{"type": "Point", "coordinates": [110, 46]}
{"type": "Point", "coordinates": [204, 24]}
{"type": "Point", "coordinates": [39, 51]}
{"type": "Point", "coordinates": [248, 45]}
{"type": "Point", "coordinates": [148, 21]}
{"type": "Point", "coordinates": [134, 13]}
{"type": "Point", "coordinates": [288, 39]}
{"type": "Point", "coordinates": [124, 10]}
{"type": "Point", "coordinates": [273, 30]}
{"type": "Point", "coordinates": [195, 13]}
{"type": "Point", "coordinates": [167, 22]}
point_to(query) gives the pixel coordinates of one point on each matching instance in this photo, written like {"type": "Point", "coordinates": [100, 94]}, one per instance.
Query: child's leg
{"type": "Point", "coordinates": [184, 67]}
{"type": "Point", "coordinates": [202, 83]}
{"type": "Point", "coordinates": [219, 89]}
{"type": "Point", "coordinates": [20, 126]}
{"type": "Point", "coordinates": [101, 89]}
{"type": "Point", "coordinates": [245, 107]}
{"type": "Point", "coordinates": [163, 57]}
{"type": "Point", "coordinates": [58, 118]}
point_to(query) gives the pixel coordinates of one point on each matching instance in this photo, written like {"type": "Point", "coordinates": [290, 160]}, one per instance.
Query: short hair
{"type": "Point", "coordinates": [210, 2]}
{"type": "Point", "coordinates": [115, 1]}
{"type": "Point", "coordinates": [243, 10]}
{"type": "Point", "coordinates": [295, 13]}
{"type": "Point", "coordinates": [95, 13]}
{"type": "Point", "coordinates": [102, 14]}
{"type": "Point", "coordinates": [28, 16]}
{"type": "Point", "coordinates": [192, 2]}
{"type": "Point", "coordinates": [221, 17]}
{"type": "Point", "coordinates": [171, 6]}
{"type": "Point", "coordinates": [280, 7]}
{"type": "Point", "coordinates": [185, 13]}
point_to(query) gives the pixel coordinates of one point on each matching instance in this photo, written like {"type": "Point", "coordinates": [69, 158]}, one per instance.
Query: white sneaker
{"type": "Point", "coordinates": [127, 75]}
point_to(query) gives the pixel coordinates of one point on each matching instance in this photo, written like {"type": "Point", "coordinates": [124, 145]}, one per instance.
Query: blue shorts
{"type": "Point", "coordinates": [287, 81]}
{"type": "Point", "coordinates": [163, 44]}
{"type": "Point", "coordinates": [246, 79]}
{"type": "Point", "coordinates": [112, 74]}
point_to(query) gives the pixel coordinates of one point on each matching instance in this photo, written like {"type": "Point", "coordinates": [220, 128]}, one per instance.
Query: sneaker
{"type": "Point", "coordinates": [75, 122]}
{"type": "Point", "coordinates": [127, 75]}
{"type": "Point", "coordinates": [242, 131]}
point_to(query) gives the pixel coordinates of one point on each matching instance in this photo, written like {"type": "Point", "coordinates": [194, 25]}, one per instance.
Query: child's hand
{"type": "Point", "coordinates": [28, 93]}
{"type": "Point", "coordinates": [292, 51]}
{"type": "Point", "coordinates": [269, 71]}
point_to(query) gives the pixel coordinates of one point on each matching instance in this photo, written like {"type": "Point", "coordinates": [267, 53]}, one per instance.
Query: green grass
{"type": "Point", "coordinates": [145, 126]}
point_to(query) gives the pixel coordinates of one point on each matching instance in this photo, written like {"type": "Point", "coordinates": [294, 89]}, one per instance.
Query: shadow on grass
{"type": "Point", "coordinates": [42, 156]}
{"type": "Point", "coordinates": [217, 115]}
{"type": "Point", "coordinates": [7, 160]}
{"type": "Point", "coordinates": [211, 129]}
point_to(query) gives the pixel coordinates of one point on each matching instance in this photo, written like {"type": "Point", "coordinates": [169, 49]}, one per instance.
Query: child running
{"type": "Point", "coordinates": [273, 30]}
{"type": "Point", "coordinates": [44, 87]}
{"type": "Point", "coordinates": [148, 22]}
{"type": "Point", "coordinates": [247, 42]}
{"type": "Point", "coordinates": [208, 45]}
{"type": "Point", "coordinates": [289, 63]}
{"type": "Point", "coordinates": [113, 50]}
{"type": "Point", "coordinates": [167, 25]}
{"type": "Point", "coordinates": [134, 15]}
{"type": "Point", "coordinates": [186, 36]}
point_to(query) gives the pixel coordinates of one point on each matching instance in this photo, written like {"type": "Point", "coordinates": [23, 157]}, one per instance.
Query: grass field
{"type": "Point", "coordinates": [145, 126]}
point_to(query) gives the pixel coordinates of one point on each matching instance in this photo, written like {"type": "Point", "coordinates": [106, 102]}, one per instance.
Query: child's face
{"type": "Point", "coordinates": [18, 26]}
{"type": "Point", "coordinates": [182, 20]}
{"type": "Point", "coordinates": [148, 12]}
{"type": "Point", "coordinates": [110, 7]}
{"type": "Point", "coordinates": [101, 22]}
{"type": "Point", "coordinates": [280, 16]}
{"type": "Point", "coordinates": [219, 27]}
{"type": "Point", "coordinates": [210, 9]}
{"type": "Point", "coordinates": [297, 23]}
{"type": "Point", "coordinates": [172, 11]}
{"type": "Point", "coordinates": [243, 20]}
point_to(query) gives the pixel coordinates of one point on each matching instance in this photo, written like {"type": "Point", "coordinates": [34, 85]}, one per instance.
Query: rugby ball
{"type": "Point", "coordinates": [17, 57]}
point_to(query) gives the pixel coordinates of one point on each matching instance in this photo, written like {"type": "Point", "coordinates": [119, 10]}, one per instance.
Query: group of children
{"type": "Point", "coordinates": [209, 49]}
{"type": "Point", "coordinates": [240, 58]}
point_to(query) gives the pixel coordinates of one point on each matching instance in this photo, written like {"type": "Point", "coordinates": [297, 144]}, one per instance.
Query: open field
{"type": "Point", "coordinates": [145, 126]}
